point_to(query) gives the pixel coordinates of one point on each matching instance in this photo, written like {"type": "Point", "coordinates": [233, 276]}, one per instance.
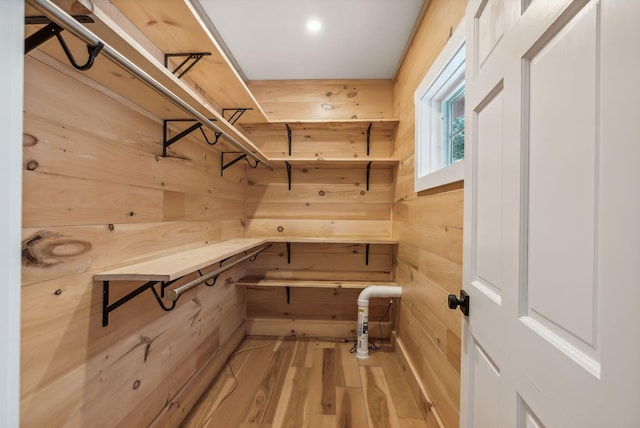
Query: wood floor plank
{"type": "Point", "coordinates": [300, 354]}
{"type": "Point", "coordinates": [347, 373]}
{"type": "Point", "coordinates": [413, 423]}
{"type": "Point", "coordinates": [380, 410]}
{"type": "Point", "coordinates": [329, 381]}
{"type": "Point", "coordinates": [263, 406]}
{"type": "Point", "coordinates": [227, 409]}
{"type": "Point", "coordinates": [291, 410]}
{"type": "Point", "coordinates": [322, 421]}
{"type": "Point", "coordinates": [350, 412]}
{"type": "Point", "coordinates": [306, 382]}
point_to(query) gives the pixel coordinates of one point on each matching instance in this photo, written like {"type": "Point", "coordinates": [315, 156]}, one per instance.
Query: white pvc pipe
{"type": "Point", "coordinates": [363, 313]}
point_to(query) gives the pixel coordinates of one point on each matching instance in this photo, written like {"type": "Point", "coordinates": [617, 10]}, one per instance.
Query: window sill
{"type": "Point", "coordinates": [438, 178]}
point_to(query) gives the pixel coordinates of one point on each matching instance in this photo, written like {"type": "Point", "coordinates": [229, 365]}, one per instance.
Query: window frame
{"type": "Point", "coordinates": [440, 82]}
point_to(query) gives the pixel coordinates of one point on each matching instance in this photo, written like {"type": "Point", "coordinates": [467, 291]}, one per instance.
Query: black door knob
{"type": "Point", "coordinates": [462, 302]}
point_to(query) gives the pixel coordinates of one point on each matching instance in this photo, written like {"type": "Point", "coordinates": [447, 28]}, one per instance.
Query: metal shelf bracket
{"type": "Point", "coordinates": [189, 58]}
{"type": "Point", "coordinates": [53, 30]}
{"type": "Point", "coordinates": [224, 166]}
{"type": "Point", "coordinates": [174, 294]}
{"type": "Point", "coordinates": [166, 142]}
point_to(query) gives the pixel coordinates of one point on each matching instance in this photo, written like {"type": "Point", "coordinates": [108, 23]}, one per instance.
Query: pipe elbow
{"type": "Point", "coordinates": [378, 291]}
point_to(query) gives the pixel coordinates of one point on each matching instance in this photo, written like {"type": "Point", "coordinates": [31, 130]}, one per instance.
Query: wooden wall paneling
{"type": "Point", "coordinates": [61, 149]}
{"type": "Point", "coordinates": [325, 262]}
{"type": "Point", "coordinates": [318, 210]}
{"type": "Point", "coordinates": [66, 315]}
{"type": "Point", "coordinates": [311, 303]}
{"type": "Point", "coordinates": [324, 140]}
{"type": "Point", "coordinates": [88, 160]}
{"type": "Point", "coordinates": [180, 341]}
{"type": "Point", "coordinates": [177, 409]}
{"type": "Point", "coordinates": [55, 252]}
{"type": "Point", "coordinates": [54, 200]}
{"type": "Point", "coordinates": [429, 228]}
{"type": "Point", "coordinates": [46, 79]}
{"type": "Point", "coordinates": [320, 174]}
{"type": "Point", "coordinates": [289, 100]}
{"type": "Point", "coordinates": [318, 228]}
{"type": "Point", "coordinates": [441, 380]}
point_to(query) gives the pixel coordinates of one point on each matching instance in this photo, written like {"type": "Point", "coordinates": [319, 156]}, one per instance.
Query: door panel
{"type": "Point", "coordinates": [489, 27]}
{"type": "Point", "coordinates": [552, 215]}
{"type": "Point", "coordinates": [489, 189]}
{"type": "Point", "coordinates": [560, 84]}
{"type": "Point", "coordinates": [486, 386]}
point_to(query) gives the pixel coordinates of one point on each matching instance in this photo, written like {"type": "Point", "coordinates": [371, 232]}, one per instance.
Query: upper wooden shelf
{"type": "Point", "coordinates": [173, 266]}
{"type": "Point", "coordinates": [178, 26]}
{"type": "Point", "coordinates": [255, 281]}
{"type": "Point", "coordinates": [118, 77]}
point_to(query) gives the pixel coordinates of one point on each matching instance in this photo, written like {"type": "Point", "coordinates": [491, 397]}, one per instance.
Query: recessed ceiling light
{"type": "Point", "coordinates": [313, 25]}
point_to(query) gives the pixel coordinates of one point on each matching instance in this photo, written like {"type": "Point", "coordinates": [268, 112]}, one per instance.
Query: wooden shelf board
{"type": "Point", "coordinates": [121, 81]}
{"type": "Point", "coordinates": [173, 266]}
{"type": "Point", "coordinates": [187, 32]}
{"type": "Point", "coordinates": [337, 121]}
{"type": "Point", "coordinates": [333, 240]}
{"type": "Point", "coordinates": [332, 162]}
{"type": "Point", "coordinates": [277, 282]}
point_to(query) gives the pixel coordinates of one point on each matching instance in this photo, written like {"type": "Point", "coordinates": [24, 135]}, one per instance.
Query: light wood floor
{"type": "Point", "coordinates": [296, 383]}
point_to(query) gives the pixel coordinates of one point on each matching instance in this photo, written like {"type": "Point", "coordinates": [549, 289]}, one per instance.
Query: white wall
{"type": "Point", "coordinates": [11, 83]}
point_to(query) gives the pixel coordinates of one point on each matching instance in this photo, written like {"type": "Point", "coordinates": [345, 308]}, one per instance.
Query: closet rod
{"type": "Point", "coordinates": [176, 292]}
{"type": "Point", "coordinates": [65, 20]}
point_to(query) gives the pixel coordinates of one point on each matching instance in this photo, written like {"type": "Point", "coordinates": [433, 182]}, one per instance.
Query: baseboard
{"type": "Point", "coordinates": [427, 407]}
{"type": "Point", "coordinates": [311, 328]}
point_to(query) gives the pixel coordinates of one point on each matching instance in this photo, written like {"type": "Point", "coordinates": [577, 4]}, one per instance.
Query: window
{"type": "Point", "coordinates": [439, 103]}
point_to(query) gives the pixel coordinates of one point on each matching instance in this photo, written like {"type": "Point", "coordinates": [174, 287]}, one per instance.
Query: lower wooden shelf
{"type": "Point", "coordinates": [305, 283]}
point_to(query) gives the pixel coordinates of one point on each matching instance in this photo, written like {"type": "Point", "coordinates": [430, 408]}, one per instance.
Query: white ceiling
{"type": "Point", "coordinates": [359, 39]}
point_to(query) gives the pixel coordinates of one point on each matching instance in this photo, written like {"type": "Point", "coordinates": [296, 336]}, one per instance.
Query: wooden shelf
{"type": "Point", "coordinates": [331, 122]}
{"type": "Point", "coordinates": [173, 266]}
{"type": "Point", "coordinates": [300, 162]}
{"type": "Point", "coordinates": [188, 31]}
{"type": "Point", "coordinates": [332, 240]}
{"type": "Point", "coordinates": [254, 281]}
{"type": "Point", "coordinates": [119, 78]}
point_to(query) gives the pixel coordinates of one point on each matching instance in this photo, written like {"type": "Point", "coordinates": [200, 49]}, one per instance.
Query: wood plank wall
{"type": "Point", "coordinates": [326, 201]}
{"type": "Point", "coordinates": [97, 194]}
{"type": "Point", "coordinates": [429, 227]}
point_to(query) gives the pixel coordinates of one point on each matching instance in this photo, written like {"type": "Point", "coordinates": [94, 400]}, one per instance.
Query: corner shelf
{"type": "Point", "coordinates": [166, 270]}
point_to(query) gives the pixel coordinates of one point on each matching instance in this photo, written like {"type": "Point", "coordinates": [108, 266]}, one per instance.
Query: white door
{"type": "Point", "coordinates": [552, 214]}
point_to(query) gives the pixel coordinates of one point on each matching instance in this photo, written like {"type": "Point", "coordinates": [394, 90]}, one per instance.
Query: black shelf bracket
{"type": "Point", "coordinates": [288, 137]}
{"type": "Point", "coordinates": [288, 252]}
{"type": "Point", "coordinates": [53, 30]}
{"type": "Point", "coordinates": [288, 290]}
{"type": "Point", "coordinates": [237, 114]}
{"type": "Point", "coordinates": [368, 173]}
{"type": "Point", "coordinates": [190, 60]}
{"type": "Point", "coordinates": [288, 165]}
{"type": "Point", "coordinates": [366, 257]}
{"type": "Point", "coordinates": [369, 138]}
{"type": "Point", "coordinates": [224, 166]}
{"type": "Point", "coordinates": [107, 308]}
{"type": "Point", "coordinates": [166, 142]}
{"type": "Point", "coordinates": [175, 293]}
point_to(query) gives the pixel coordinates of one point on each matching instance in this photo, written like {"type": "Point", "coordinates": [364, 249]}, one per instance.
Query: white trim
{"type": "Point", "coordinates": [445, 75]}
{"type": "Point", "coordinates": [11, 85]}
